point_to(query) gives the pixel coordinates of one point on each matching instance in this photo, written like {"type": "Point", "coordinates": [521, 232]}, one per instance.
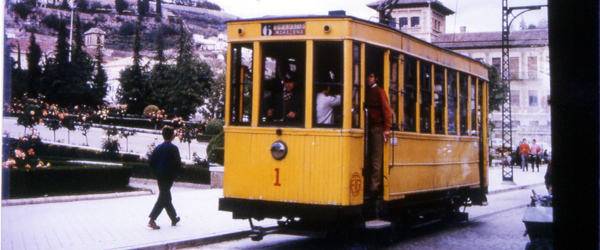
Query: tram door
{"type": "Point", "coordinates": [374, 64]}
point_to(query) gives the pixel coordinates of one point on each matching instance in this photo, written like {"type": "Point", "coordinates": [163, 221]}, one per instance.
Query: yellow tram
{"type": "Point", "coordinates": [306, 171]}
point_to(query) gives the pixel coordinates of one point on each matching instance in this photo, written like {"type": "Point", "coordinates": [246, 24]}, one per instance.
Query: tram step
{"type": "Point", "coordinates": [377, 224]}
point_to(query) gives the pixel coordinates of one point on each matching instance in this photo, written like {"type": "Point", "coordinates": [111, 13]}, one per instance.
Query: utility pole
{"type": "Point", "coordinates": [71, 33]}
{"type": "Point", "coordinates": [507, 168]}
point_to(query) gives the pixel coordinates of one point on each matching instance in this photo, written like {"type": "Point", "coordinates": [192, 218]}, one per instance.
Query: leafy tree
{"type": "Point", "coordinates": [82, 5]}
{"type": "Point", "coordinates": [33, 65]}
{"type": "Point", "coordinates": [121, 5]}
{"type": "Point", "coordinates": [214, 104]}
{"type": "Point", "coordinates": [95, 6]}
{"type": "Point", "coordinates": [64, 82]}
{"type": "Point", "coordinates": [64, 5]}
{"type": "Point", "coordinates": [52, 21]}
{"type": "Point", "coordinates": [143, 7]}
{"type": "Point", "coordinates": [497, 90]}
{"type": "Point", "coordinates": [192, 82]}
{"type": "Point", "coordinates": [18, 78]}
{"type": "Point", "coordinates": [22, 10]}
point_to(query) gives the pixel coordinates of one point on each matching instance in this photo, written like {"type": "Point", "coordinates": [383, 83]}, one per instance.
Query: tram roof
{"type": "Point", "coordinates": [344, 16]}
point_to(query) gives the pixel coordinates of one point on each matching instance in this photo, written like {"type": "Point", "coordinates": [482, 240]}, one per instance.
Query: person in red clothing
{"type": "Point", "coordinates": [380, 121]}
{"type": "Point", "coordinates": [524, 151]}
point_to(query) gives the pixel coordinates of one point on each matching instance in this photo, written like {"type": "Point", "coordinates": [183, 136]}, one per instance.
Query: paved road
{"type": "Point", "coordinates": [137, 144]}
{"type": "Point", "coordinates": [496, 226]}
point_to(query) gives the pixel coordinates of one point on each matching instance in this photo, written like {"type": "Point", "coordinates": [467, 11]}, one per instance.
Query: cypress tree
{"type": "Point", "coordinates": [192, 81]}
{"type": "Point", "coordinates": [33, 65]}
{"type": "Point", "coordinates": [133, 91]}
{"type": "Point", "coordinates": [99, 89]}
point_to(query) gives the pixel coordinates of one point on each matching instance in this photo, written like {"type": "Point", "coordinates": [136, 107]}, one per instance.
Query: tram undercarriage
{"type": "Point", "coordinates": [320, 220]}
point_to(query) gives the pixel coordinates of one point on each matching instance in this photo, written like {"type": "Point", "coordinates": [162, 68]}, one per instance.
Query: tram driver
{"type": "Point", "coordinates": [287, 105]}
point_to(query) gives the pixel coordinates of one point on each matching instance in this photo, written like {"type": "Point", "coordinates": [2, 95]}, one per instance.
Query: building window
{"type": "Point", "coordinates": [515, 98]}
{"type": "Point", "coordinates": [534, 123]}
{"type": "Point", "coordinates": [403, 21]}
{"type": "Point", "coordinates": [513, 63]}
{"type": "Point", "coordinates": [532, 67]}
{"type": "Point", "coordinates": [533, 98]}
{"type": "Point", "coordinates": [414, 21]}
{"type": "Point", "coordinates": [497, 63]}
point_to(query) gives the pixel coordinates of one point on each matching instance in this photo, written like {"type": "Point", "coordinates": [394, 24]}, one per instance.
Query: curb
{"type": "Point", "coordinates": [69, 198]}
{"type": "Point", "coordinates": [199, 241]}
{"type": "Point", "coordinates": [515, 188]}
{"type": "Point", "coordinates": [175, 184]}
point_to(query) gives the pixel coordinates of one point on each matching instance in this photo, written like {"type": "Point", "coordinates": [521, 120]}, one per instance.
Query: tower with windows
{"type": "Point", "coordinates": [425, 19]}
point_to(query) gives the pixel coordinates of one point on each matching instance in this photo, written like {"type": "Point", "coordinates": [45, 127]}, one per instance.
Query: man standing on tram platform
{"type": "Point", "coordinates": [380, 122]}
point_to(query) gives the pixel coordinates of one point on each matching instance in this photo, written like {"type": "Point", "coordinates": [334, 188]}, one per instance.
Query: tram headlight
{"type": "Point", "coordinates": [327, 28]}
{"type": "Point", "coordinates": [279, 150]}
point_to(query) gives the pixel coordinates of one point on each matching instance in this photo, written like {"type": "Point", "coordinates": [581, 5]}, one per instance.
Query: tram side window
{"type": "Point", "coordinates": [439, 100]}
{"type": "Point", "coordinates": [473, 106]}
{"type": "Point", "coordinates": [479, 106]}
{"type": "Point", "coordinates": [410, 94]}
{"type": "Point", "coordinates": [283, 84]}
{"type": "Point", "coordinates": [328, 84]}
{"type": "Point", "coordinates": [394, 92]}
{"type": "Point", "coordinates": [356, 85]}
{"type": "Point", "coordinates": [452, 101]}
{"type": "Point", "coordinates": [425, 98]}
{"type": "Point", "coordinates": [463, 95]}
{"type": "Point", "coordinates": [241, 84]}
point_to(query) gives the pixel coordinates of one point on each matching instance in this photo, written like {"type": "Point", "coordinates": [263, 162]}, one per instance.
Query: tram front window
{"type": "Point", "coordinates": [283, 86]}
{"type": "Point", "coordinates": [241, 84]}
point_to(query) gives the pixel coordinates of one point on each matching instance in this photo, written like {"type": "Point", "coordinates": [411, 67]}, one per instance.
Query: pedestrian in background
{"type": "Point", "coordinates": [536, 153]}
{"type": "Point", "coordinates": [524, 151]}
{"type": "Point", "coordinates": [167, 162]}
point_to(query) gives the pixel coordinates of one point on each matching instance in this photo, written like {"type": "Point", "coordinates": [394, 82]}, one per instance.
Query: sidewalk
{"type": "Point", "coordinates": [120, 223]}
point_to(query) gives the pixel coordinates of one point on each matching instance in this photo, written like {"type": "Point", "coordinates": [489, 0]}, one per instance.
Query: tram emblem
{"type": "Point", "coordinates": [355, 184]}
{"type": "Point", "coordinates": [283, 29]}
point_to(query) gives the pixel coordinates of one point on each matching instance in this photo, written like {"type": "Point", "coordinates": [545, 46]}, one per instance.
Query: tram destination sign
{"type": "Point", "coordinates": [283, 29]}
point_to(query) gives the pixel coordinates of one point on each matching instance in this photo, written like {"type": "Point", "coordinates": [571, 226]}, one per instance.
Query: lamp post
{"type": "Point", "coordinates": [507, 169]}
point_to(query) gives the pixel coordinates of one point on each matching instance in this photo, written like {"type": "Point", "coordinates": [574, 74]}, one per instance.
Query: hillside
{"type": "Point", "coordinates": [119, 28]}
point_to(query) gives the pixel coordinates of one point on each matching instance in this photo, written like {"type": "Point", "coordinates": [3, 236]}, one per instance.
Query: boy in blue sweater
{"type": "Point", "coordinates": [167, 161]}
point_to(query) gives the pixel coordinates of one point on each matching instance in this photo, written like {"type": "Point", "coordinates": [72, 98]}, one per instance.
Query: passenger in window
{"type": "Point", "coordinates": [380, 122]}
{"type": "Point", "coordinates": [286, 106]}
{"type": "Point", "coordinates": [325, 104]}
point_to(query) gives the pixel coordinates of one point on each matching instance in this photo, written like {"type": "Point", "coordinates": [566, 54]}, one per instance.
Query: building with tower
{"type": "Point", "coordinates": [529, 60]}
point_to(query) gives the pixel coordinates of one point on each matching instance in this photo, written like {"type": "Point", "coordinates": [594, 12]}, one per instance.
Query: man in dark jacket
{"type": "Point", "coordinates": [286, 106]}
{"type": "Point", "coordinates": [167, 161]}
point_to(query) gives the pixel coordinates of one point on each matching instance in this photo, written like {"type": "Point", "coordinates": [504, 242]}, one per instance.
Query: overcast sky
{"type": "Point", "coordinates": [476, 15]}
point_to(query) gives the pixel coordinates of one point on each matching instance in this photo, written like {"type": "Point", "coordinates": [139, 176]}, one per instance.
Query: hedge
{"type": "Point", "coordinates": [188, 173]}
{"type": "Point", "coordinates": [35, 182]}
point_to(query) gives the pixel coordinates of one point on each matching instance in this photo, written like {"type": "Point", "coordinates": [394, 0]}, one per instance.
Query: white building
{"type": "Point", "coordinates": [529, 73]}
{"type": "Point", "coordinates": [529, 61]}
